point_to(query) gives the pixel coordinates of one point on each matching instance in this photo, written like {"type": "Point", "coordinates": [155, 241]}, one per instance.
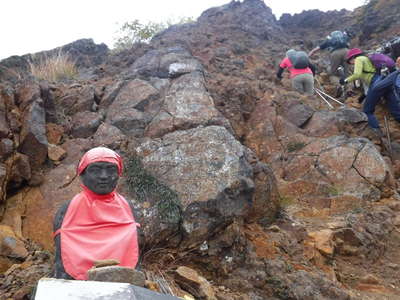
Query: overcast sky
{"type": "Point", "coordinates": [28, 26]}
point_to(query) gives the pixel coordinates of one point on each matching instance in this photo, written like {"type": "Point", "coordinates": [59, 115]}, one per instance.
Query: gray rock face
{"type": "Point", "coordinates": [85, 124]}
{"type": "Point", "coordinates": [242, 14]}
{"type": "Point", "coordinates": [187, 104]}
{"type": "Point", "coordinates": [133, 107]}
{"type": "Point", "coordinates": [33, 140]}
{"type": "Point", "coordinates": [299, 114]}
{"type": "Point", "coordinates": [164, 63]}
{"type": "Point", "coordinates": [208, 170]}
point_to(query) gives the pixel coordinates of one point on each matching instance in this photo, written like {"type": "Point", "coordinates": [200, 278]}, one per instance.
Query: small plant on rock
{"type": "Point", "coordinates": [145, 187]}
{"type": "Point", "coordinates": [295, 146]}
{"type": "Point", "coordinates": [54, 68]}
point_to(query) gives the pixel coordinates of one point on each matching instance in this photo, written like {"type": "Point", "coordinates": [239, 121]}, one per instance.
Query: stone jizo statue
{"type": "Point", "coordinates": [98, 223]}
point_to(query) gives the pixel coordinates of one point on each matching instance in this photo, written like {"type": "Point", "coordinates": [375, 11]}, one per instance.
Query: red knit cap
{"type": "Point", "coordinates": [97, 155]}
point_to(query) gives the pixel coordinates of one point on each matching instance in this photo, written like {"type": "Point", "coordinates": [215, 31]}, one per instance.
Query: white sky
{"type": "Point", "coordinates": [28, 26]}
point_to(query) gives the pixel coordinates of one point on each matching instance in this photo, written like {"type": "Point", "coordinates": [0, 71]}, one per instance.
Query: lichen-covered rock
{"type": "Point", "coordinates": [209, 171]}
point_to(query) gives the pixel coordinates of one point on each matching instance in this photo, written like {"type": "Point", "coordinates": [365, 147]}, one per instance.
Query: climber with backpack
{"type": "Point", "coordinates": [337, 42]}
{"type": "Point", "coordinates": [389, 88]}
{"type": "Point", "coordinates": [367, 68]}
{"type": "Point", "coordinates": [301, 71]}
{"type": "Point", "coordinates": [375, 85]}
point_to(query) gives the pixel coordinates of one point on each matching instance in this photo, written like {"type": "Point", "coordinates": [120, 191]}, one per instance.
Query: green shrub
{"type": "Point", "coordinates": [138, 32]}
{"type": "Point", "coordinates": [54, 68]}
{"type": "Point", "coordinates": [295, 146]}
{"type": "Point", "coordinates": [145, 187]}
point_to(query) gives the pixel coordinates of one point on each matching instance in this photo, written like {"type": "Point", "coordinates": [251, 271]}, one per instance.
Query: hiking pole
{"type": "Point", "coordinates": [388, 137]}
{"type": "Point", "coordinates": [323, 98]}
{"type": "Point", "coordinates": [330, 97]}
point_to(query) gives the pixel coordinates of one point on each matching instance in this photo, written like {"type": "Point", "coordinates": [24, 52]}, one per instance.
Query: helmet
{"type": "Point", "coordinates": [353, 53]}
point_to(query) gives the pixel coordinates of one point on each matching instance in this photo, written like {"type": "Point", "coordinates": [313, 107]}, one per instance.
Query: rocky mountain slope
{"type": "Point", "coordinates": [244, 188]}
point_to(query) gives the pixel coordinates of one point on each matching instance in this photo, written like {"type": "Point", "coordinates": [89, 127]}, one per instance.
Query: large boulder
{"type": "Point", "coordinates": [209, 170]}
{"type": "Point", "coordinates": [335, 174]}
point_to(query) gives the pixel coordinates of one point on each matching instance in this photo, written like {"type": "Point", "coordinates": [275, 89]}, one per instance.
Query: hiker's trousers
{"type": "Point", "coordinates": [338, 58]}
{"type": "Point", "coordinates": [303, 83]}
{"type": "Point", "coordinates": [381, 88]}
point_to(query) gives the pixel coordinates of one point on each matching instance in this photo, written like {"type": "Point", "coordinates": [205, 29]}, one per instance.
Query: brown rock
{"type": "Point", "coordinates": [10, 245]}
{"type": "Point", "coordinates": [20, 171]}
{"type": "Point", "coordinates": [370, 279]}
{"type": "Point", "coordinates": [197, 283]}
{"type": "Point", "coordinates": [54, 133]}
{"type": "Point", "coordinates": [56, 153]}
{"type": "Point", "coordinates": [77, 99]}
{"type": "Point", "coordinates": [117, 274]}
{"type": "Point", "coordinates": [5, 264]}
{"type": "Point", "coordinates": [323, 241]}
{"type": "Point", "coordinates": [105, 263]}
{"type": "Point", "coordinates": [42, 203]}
{"type": "Point", "coordinates": [109, 136]}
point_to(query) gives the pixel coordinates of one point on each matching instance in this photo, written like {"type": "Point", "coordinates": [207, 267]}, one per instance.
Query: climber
{"type": "Point", "coordinates": [387, 87]}
{"type": "Point", "coordinates": [364, 70]}
{"type": "Point", "coordinates": [301, 71]}
{"type": "Point", "coordinates": [337, 42]}
{"type": "Point", "coordinates": [98, 223]}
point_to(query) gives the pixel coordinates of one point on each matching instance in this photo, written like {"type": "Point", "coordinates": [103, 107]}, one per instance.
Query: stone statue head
{"type": "Point", "coordinates": [100, 169]}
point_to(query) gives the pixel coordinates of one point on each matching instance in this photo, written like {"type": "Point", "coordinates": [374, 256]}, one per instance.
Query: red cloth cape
{"type": "Point", "coordinates": [97, 227]}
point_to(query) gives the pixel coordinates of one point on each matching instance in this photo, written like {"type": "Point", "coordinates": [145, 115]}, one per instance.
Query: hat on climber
{"type": "Point", "coordinates": [99, 154]}
{"type": "Point", "coordinates": [353, 53]}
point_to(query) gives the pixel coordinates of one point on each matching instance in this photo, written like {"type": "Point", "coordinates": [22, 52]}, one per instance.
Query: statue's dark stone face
{"type": "Point", "coordinates": [100, 177]}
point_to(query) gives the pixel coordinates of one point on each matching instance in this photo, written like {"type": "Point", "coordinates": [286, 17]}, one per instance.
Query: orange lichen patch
{"type": "Point", "coordinates": [265, 247]}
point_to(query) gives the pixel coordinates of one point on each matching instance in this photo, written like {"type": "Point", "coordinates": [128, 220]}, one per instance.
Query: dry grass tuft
{"type": "Point", "coordinates": [54, 68]}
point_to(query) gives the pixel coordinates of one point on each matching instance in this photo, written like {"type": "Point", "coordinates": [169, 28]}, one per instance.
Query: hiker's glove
{"type": "Point", "coordinates": [342, 81]}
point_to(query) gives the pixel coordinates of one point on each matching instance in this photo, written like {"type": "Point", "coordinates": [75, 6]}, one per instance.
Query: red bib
{"type": "Point", "coordinates": [97, 227]}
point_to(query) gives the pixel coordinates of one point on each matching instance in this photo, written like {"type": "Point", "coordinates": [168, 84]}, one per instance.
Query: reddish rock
{"type": "Point", "coordinates": [10, 245]}
{"type": "Point", "coordinates": [76, 99]}
{"type": "Point", "coordinates": [54, 133]}
{"type": "Point", "coordinates": [26, 93]}
{"type": "Point", "coordinates": [56, 153]}
{"type": "Point", "coordinates": [201, 287]}
{"type": "Point", "coordinates": [323, 241]}
{"type": "Point", "coordinates": [21, 169]}
{"type": "Point", "coordinates": [42, 203]}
